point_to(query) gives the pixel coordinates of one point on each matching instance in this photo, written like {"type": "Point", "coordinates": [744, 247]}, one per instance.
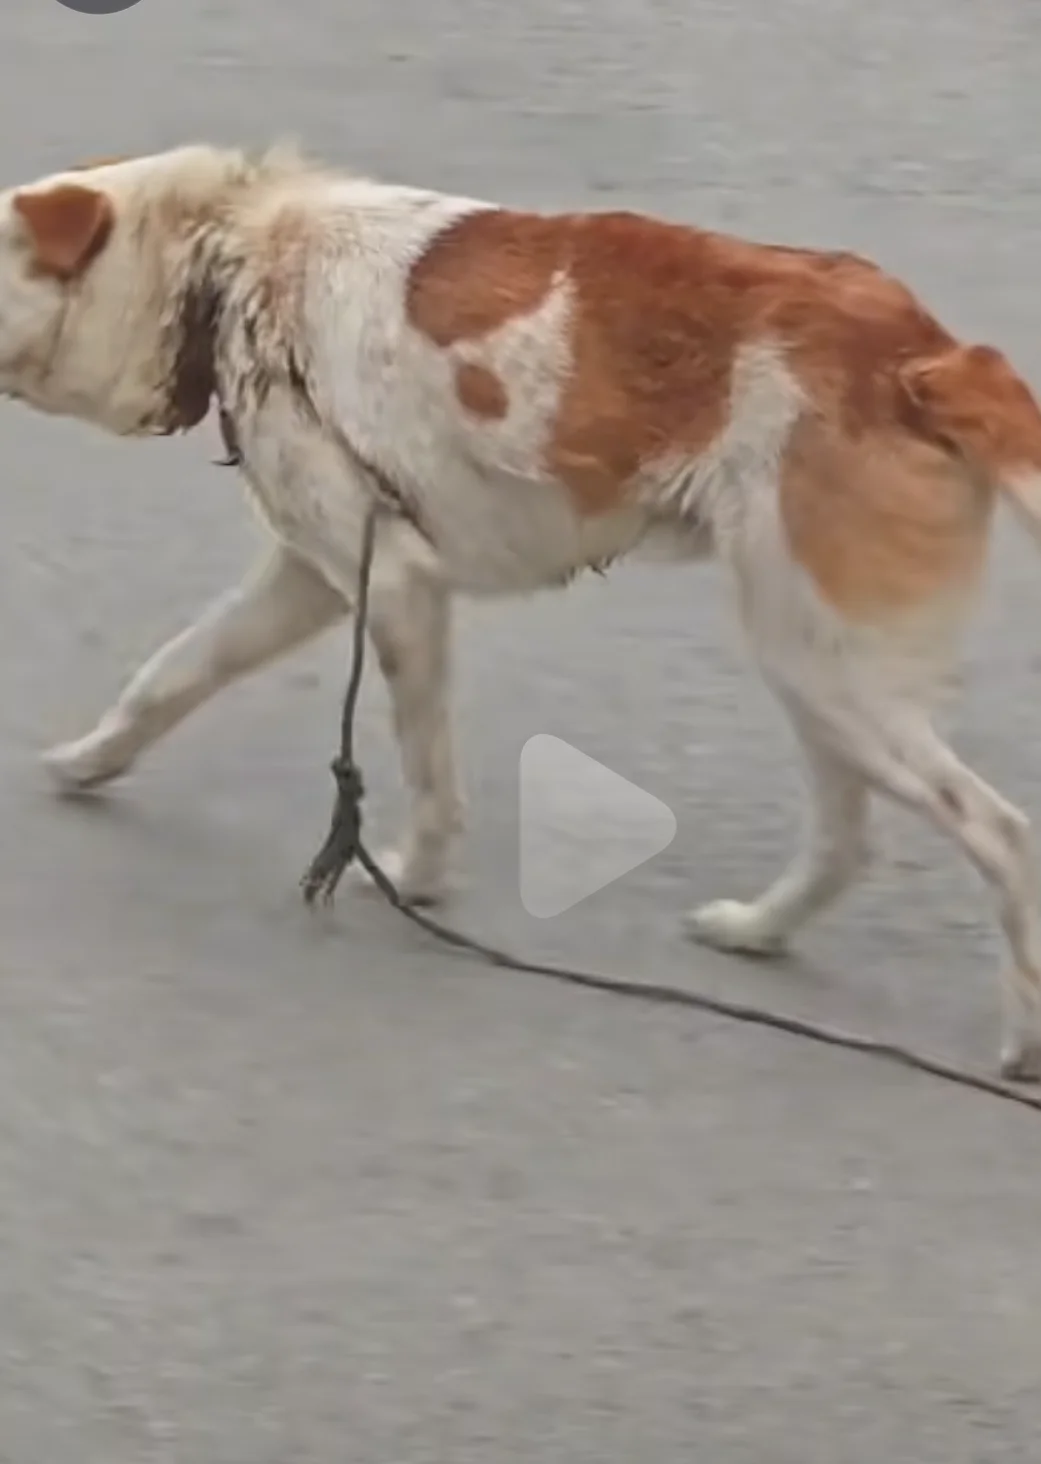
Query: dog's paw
{"type": "Point", "coordinates": [78, 766]}
{"type": "Point", "coordinates": [730, 925]}
{"type": "Point", "coordinates": [1021, 1060]}
{"type": "Point", "coordinates": [421, 882]}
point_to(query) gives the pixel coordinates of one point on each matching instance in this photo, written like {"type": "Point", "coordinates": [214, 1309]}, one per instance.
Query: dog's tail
{"type": "Point", "coordinates": [971, 401]}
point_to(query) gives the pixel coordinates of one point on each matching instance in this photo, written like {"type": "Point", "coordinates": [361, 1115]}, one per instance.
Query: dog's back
{"type": "Point", "coordinates": [551, 389]}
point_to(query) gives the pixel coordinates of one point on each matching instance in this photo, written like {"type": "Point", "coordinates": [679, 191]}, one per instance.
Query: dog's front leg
{"type": "Point", "coordinates": [410, 628]}
{"type": "Point", "coordinates": [282, 603]}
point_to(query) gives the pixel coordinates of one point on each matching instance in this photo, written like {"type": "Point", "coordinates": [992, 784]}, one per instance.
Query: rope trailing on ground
{"type": "Point", "coordinates": [344, 845]}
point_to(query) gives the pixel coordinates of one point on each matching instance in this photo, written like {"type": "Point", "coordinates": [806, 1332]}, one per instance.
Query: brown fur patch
{"type": "Point", "coordinates": [68, 225]}
{"type": "Point", "coordinates": [645, 379]}
{"type": "Point", "coordinates": [659, 312]}
{"type": "Point", "coordinates": [662, 312]}
{"type": "Point", "coordinates": [481, 392]}
{"type": "Point", "coordinates": [882, 524]}
{"type": "Point", "coordinates": [970, 399]}
{"type": "Point", "coordinates": [479, 273]}
{"type": "Point", "coordinates": [651, 363]}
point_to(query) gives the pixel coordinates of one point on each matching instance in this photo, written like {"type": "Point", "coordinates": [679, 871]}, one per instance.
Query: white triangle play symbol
{"type": "Point", "coordinates": [581, 826]}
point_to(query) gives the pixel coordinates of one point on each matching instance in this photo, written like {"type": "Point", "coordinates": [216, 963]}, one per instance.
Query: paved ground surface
{"type": "Point", "coordinates": [288, 1190]}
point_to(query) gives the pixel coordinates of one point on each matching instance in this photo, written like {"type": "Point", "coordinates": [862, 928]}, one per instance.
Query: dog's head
{"type": "Point", "coordinates": [107, 312]}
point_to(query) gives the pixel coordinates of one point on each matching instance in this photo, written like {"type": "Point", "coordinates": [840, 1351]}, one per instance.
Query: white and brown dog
{"type": "Point", "coordinates": [541, 394]}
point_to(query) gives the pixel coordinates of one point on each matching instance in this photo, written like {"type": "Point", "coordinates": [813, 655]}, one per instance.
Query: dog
{"type": "Point", "coordinates": [532, 395]}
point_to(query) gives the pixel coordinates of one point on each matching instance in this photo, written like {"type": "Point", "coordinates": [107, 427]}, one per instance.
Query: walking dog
{"type": "Point", "coordinates": [535, 395]}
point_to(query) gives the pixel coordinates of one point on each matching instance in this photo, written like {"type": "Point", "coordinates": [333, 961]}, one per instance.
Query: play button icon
{"type": "Point", "coordinates": [582, 826]}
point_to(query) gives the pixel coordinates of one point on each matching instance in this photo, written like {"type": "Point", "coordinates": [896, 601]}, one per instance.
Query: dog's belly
{"type": "Point", "coordinates": [493, 532]}
{"type": "Point", "coordinates": [499, 534]}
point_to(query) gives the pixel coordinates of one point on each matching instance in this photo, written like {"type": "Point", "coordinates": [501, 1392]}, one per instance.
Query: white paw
{"type": "Point", "coordinates": [730, 925]}
{"type": "Point", "coordinates": [1021, 1060]}
{"type": "Point", "coordinates": [418, 881]}
{"type": "Point", "coordinates": [86, 763]}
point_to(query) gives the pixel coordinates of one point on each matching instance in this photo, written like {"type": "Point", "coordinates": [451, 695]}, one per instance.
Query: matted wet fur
{"type": "Point", "coordinates": [541, 394]}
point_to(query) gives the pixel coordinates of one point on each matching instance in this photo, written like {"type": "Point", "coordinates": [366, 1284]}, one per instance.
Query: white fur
{"type": "Point", "coordinates": [385, 395]}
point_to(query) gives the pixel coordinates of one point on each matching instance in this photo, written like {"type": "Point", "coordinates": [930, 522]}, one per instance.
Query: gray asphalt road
{"type": "Point", "coordinates": [279, 1189]}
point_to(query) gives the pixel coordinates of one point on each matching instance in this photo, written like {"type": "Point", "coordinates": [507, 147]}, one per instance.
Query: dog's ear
{"type": "Point", "coordinates": [68, 225]}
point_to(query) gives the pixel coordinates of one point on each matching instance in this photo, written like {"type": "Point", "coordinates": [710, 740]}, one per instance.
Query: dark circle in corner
{"type": "Point", "coordinates": [97, 7]}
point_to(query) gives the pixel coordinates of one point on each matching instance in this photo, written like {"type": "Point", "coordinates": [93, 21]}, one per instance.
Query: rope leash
{"type": "Point", "coordinates": [344, 845]}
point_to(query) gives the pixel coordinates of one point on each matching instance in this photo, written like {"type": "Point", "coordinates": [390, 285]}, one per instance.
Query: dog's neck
{"type": "Point", "coordinates": [205, 291]}
{"type": "Point", "coordinates": [193, 344]}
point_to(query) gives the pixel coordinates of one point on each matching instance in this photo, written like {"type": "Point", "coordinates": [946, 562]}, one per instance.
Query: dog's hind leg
{"type": "Point", "coordinates": [834, 853]}
{"type": "Point", "coordinates": [906, 759]}
{"type": "Point", "coordinates": [282, 603]}
{"type": "Point", "coordinates": [888, 743]}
